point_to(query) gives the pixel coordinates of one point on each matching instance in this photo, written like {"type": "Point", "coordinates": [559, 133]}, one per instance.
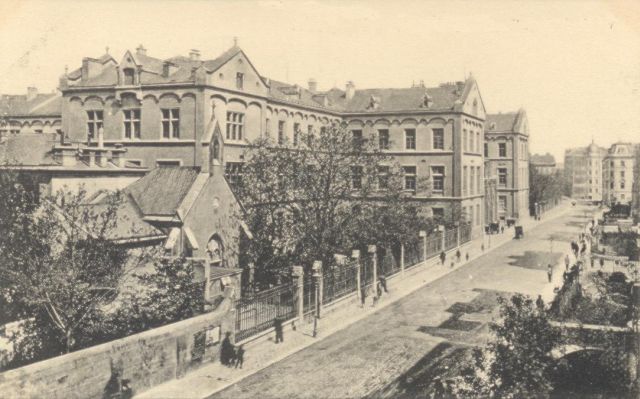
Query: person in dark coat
{"type": "Point", "coordinates": [278, 328]}
{"type": "Point", "coordinates": [549, 272]}
{"type": "Point", "coordinates": [226, 350]}
{"type": "Point", "coordinates": [383, 284]}
{"type": "Point", "coordinates": [458, 255]}
{"type": "Point", "coordinates": [239, 356]}
{"type": "Point", "coordinates": [443, 257]}
{"type": "Point", "coordinates": [540, 302]}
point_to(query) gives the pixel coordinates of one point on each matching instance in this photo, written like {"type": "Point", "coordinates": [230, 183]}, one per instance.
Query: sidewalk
{"type": "Point", "coordinates": [263, 352]}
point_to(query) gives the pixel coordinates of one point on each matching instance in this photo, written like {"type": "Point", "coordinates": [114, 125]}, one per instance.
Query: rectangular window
{"type": "Point", "coordinates": [478, 142]}
{"type": "Point", "coordinates": [167, 163]}
{"type": "Point", "coordinates": [233, 172]}
{"type": "Point", "coordinates": [129, 74]}
{"type": "Point", "coordinates": [356, 139]}
{"type": "Point", "coordinates": [280, 132]}
{"type": "Point", "coordinates": [235, 125]}
{"type": "Point", "coordinates": [409, 177]}
{"type": "Point", "coordinates": [438, 139]}
{"type": "Point", "coordinates": [622, 163]}
{"type": "Point", "coordinates": [383, 177]}
{"type": "Point", "coordinates": [131, 123]}
{"type": "Point", "coordinates": [437, 174]}
{"type": "Point", "coordinates": [356, 177]}
{"type": "Point", "coordinates": [486, 150]}
{"type": "Point", "coordinates": [470, 141]}
{"type": "Point", "coordinates": [410, 139]}
{"type": "Point", "coordinates": [465, 173]}
{"type": "Point", "coordinates": [438, 212]}
{"type": "Point", "coordinates": [622, 184]}
{"type": "Point", "coordinates": [479, 177]}
{"type": "Point", "coordinates": [267, 127]}
{"type": "Point", "coordinates": [239, 80]}
{"type": "Point", "coordinates": [502, 203]}
{"type": "Point", "coordinates": [170, 123]}
{"type": "Point", "coordinates": [296, 133]}
{"type": "Point", "coordinates": [502, 150]}
{"type": "Point", "coordinates": [94, 123]}
{"type": "Point", "coordinates": [502, 177]}
{"type": "Point", "coordinates": [383, 139]}
{"type": "Point", "coordinates": [472, 189]}
{"type": "Point", "coordinates": [464, 140]}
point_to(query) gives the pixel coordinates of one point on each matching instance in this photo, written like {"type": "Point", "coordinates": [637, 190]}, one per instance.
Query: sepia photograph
{"type": "Point", "coordinates": [319, 199]}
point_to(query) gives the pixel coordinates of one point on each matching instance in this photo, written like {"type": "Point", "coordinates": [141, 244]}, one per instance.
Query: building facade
{"type": "Point", "coordinates": [164, 110]}
{"type": "Point", "coordinates": [506, 152]}
{"type": "Point", "coordinates": [583, 170]}
{"type": "Point", "coordinates": [617, 174]}
{"type": "Point", "coordinates": [30, 113]}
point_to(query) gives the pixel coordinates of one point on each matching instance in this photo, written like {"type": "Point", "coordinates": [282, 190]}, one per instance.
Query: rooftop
{"type": "Point", "coordinates": [40, 104]}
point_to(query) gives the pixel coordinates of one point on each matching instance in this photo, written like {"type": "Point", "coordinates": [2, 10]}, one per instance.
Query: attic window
{"type": "Point", "coordinates": [427, 101]}
{"type": "Point", "coordinates": [128, 76]}
{"type": "Point", "coordinates": [492, 126]}
{"type": "Point", "coordinates": [374, 103]}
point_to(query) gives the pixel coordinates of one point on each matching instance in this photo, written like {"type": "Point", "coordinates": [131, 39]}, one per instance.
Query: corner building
{"type": "Point", "coordinates": [165, 111]}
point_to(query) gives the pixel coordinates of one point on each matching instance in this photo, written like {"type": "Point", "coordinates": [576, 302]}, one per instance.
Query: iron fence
{"type": "Point", "coordinates": [450, 239]}
{"type": "Point", "coordinates": [413, 253]}
{"type": "Point", "coordinates": [309, 294]}
{"type": "Point", "coordinates": [339, 280]}
{"type": "Point", "coordinates": [434, 246]}
{"type": "Point", "coordinates": [389, 262]}
{"type": "Point", "coordinates": [465, 233]}
{"type": "Point", "coordinates": [258, 313]}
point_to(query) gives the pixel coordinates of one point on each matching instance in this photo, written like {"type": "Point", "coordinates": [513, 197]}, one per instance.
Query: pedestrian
{"type": "Point", "coordinates": [567, 261]}
{"type": "Point", "coordinates": [363, 296]}
{"type": "Point", "coordinates": [540, 303]}
{"type": "Point", "coordinates": [378, 289]}
{"type": "Point", "coordinates": [458, 255]}
{"type": "Point", "coordinates": [383, 283]}
{"type": "Point", "coordinates": [549, 272]}
{"type": "Point", "coordinates": [443, 257]}
{"type": "Point", "coordinates": [502, 229]}
{"type": "Point", "coordinates": [239, 356]}
{"type": "Point", "coordinates": [278, 328]}
{"type": "Point", "coordinates": [226, 349]}
{"type": "Point", "coordinates": [601, 263]}
{"type": "Point", "coordinates": [482, 247]}
{"type": "Point", "coordinates": [467, 256]}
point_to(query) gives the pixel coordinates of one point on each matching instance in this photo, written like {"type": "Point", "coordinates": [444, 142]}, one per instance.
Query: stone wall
{"type": "Point", "coordinates": [145, 359]}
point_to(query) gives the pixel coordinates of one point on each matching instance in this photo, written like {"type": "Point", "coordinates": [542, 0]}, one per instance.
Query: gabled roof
{"type": "Point", "coordinates": [543, 160]}
{"type": "Point", "coordinates": [402, 99]}
{"type": "Point", "coordinates": [162, 190]}
{"type": "Point", "coordinates": [214, 64]}
{"type": "Point", "coordinates": [130, 224]}
{"type": "Point", "coordinates": [43, 104]}
{"type": "Point", "coordinates": [501, 122]}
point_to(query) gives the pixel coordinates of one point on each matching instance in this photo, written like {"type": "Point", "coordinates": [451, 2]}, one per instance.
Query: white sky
{"type": "Point", "coordinates": [574, 65]}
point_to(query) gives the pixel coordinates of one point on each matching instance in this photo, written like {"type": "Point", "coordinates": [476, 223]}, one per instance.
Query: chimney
{"type": "Point", "coordinates": [350, 90]}
{"type": "Point", "coordinates": [313, 85]}
{"type": "Point", "coordinates": [194, 55]}
{"type": "Point", "coordinates": [141, 50]}
{"type": "Point", "coordinates": [166, 69]}
{"type": "Point", "coordinates": [85, 69]}
{"type": "Point", "coordinates": [32, 92]}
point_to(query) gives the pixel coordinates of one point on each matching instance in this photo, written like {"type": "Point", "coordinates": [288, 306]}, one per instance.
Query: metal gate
{"type": "Point", "coordinates": [257, 313]}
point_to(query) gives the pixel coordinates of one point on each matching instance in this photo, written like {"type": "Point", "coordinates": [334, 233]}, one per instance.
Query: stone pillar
{"type": "Point", "coordinates": [372, 250]}
{"type": "Point", "coordinates": [402, 260]}
{"type": "Point", "coordinates": [443, 231]}
{"type": "Point", "coordinates": [298, 276]}
{"type": "Point", "coordinates": [458, 236]}
{"type": "Point", "coordinates": [355, 255]}
{"type": "Point", "coordinates": [252, 273]}
{"type": "Point", "coordinates": [423, 234]}
{"type": "Point", "coordinates": [317, 275]}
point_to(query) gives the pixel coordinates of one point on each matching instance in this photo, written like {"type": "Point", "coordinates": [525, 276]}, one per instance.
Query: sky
{"type": "Point", "coordinates": [573, 65]}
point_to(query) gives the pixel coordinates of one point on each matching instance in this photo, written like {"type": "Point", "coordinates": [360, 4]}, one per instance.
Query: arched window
{"type": "Point", "coordinates": [215, 251]}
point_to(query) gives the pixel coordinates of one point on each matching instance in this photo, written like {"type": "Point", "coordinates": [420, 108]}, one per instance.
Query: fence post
{"type": "Point", "coordinates": [355, 254]}
{"type": "Point", "coordinates": [317, 274]}
{"type": "Point", "coordinates": [402, 260]}
{"type": "Point", "coordinates": [444, 237]}
{"type": "Point", "coordinates": [252, 274]}
{"type": "Point", "coordinates": [457, 236]}
{"type": "Point", "coordinates": [423, 234]}
{"type": "Point", "coordinates": [372, 250]}
{"type": "Point", "coordinates": [298, 273]}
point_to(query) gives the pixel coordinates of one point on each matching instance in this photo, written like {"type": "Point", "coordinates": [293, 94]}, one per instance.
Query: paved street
{"type": "Point", "coordinates": [367, 356]}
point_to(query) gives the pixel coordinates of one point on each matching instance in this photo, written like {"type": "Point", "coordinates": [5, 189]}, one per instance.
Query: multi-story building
{"type": "Point", "coordinates": [165, 111]}
{"type": "Point", "coordinates": [617, 174]}
{"type": "Point", "coordinates": [583, 172]}
{"type": "Point", "coordinates": [506, 152]}
{"type": "Point", "coordinates": [30, 113]}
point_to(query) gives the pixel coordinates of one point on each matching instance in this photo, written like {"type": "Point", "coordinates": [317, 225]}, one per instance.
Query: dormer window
{"type": "Point", "coordinates": [239, 80]}
{"type": "Point", "coordinates": [427, 101]}
{"type": "Point", "coordinates": [374, 103]}
{"type": "Point", "coordinates": [129, 76]}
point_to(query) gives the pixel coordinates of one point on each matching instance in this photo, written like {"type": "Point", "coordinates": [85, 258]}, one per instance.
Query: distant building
{"type": "Point", "coordinates": [544, 164]}
{"type": "Point", "coordinates": [506, 152]}
{"type": "Point", "coordinates": [617, 172]}
{"type": "Point", "coordinates": [583, 172]}
{"type": "Point", "coordinates": [30, 113]}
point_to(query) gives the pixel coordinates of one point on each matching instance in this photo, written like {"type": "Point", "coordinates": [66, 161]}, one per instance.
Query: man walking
{"type": "Point", "coordinates": [549, 272]}
{"type": "Point", "coordinates": [567, 261]}
{"type": "Point", "coordinates": [443, 257]}
{"type": "Point", "coordinates": [278, 327]}
{"type": "Point", "coordinates": [540, 303]}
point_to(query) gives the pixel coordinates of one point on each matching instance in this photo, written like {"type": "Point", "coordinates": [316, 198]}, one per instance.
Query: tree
{"type": "Point", "coordinates": [545, 188]}
{"type": "Point", "coordinates": [326, 192]}
{"type": "Point", "coordinates": [59, 266]}
{"type": "Point", "coordinates": [518, 363]}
